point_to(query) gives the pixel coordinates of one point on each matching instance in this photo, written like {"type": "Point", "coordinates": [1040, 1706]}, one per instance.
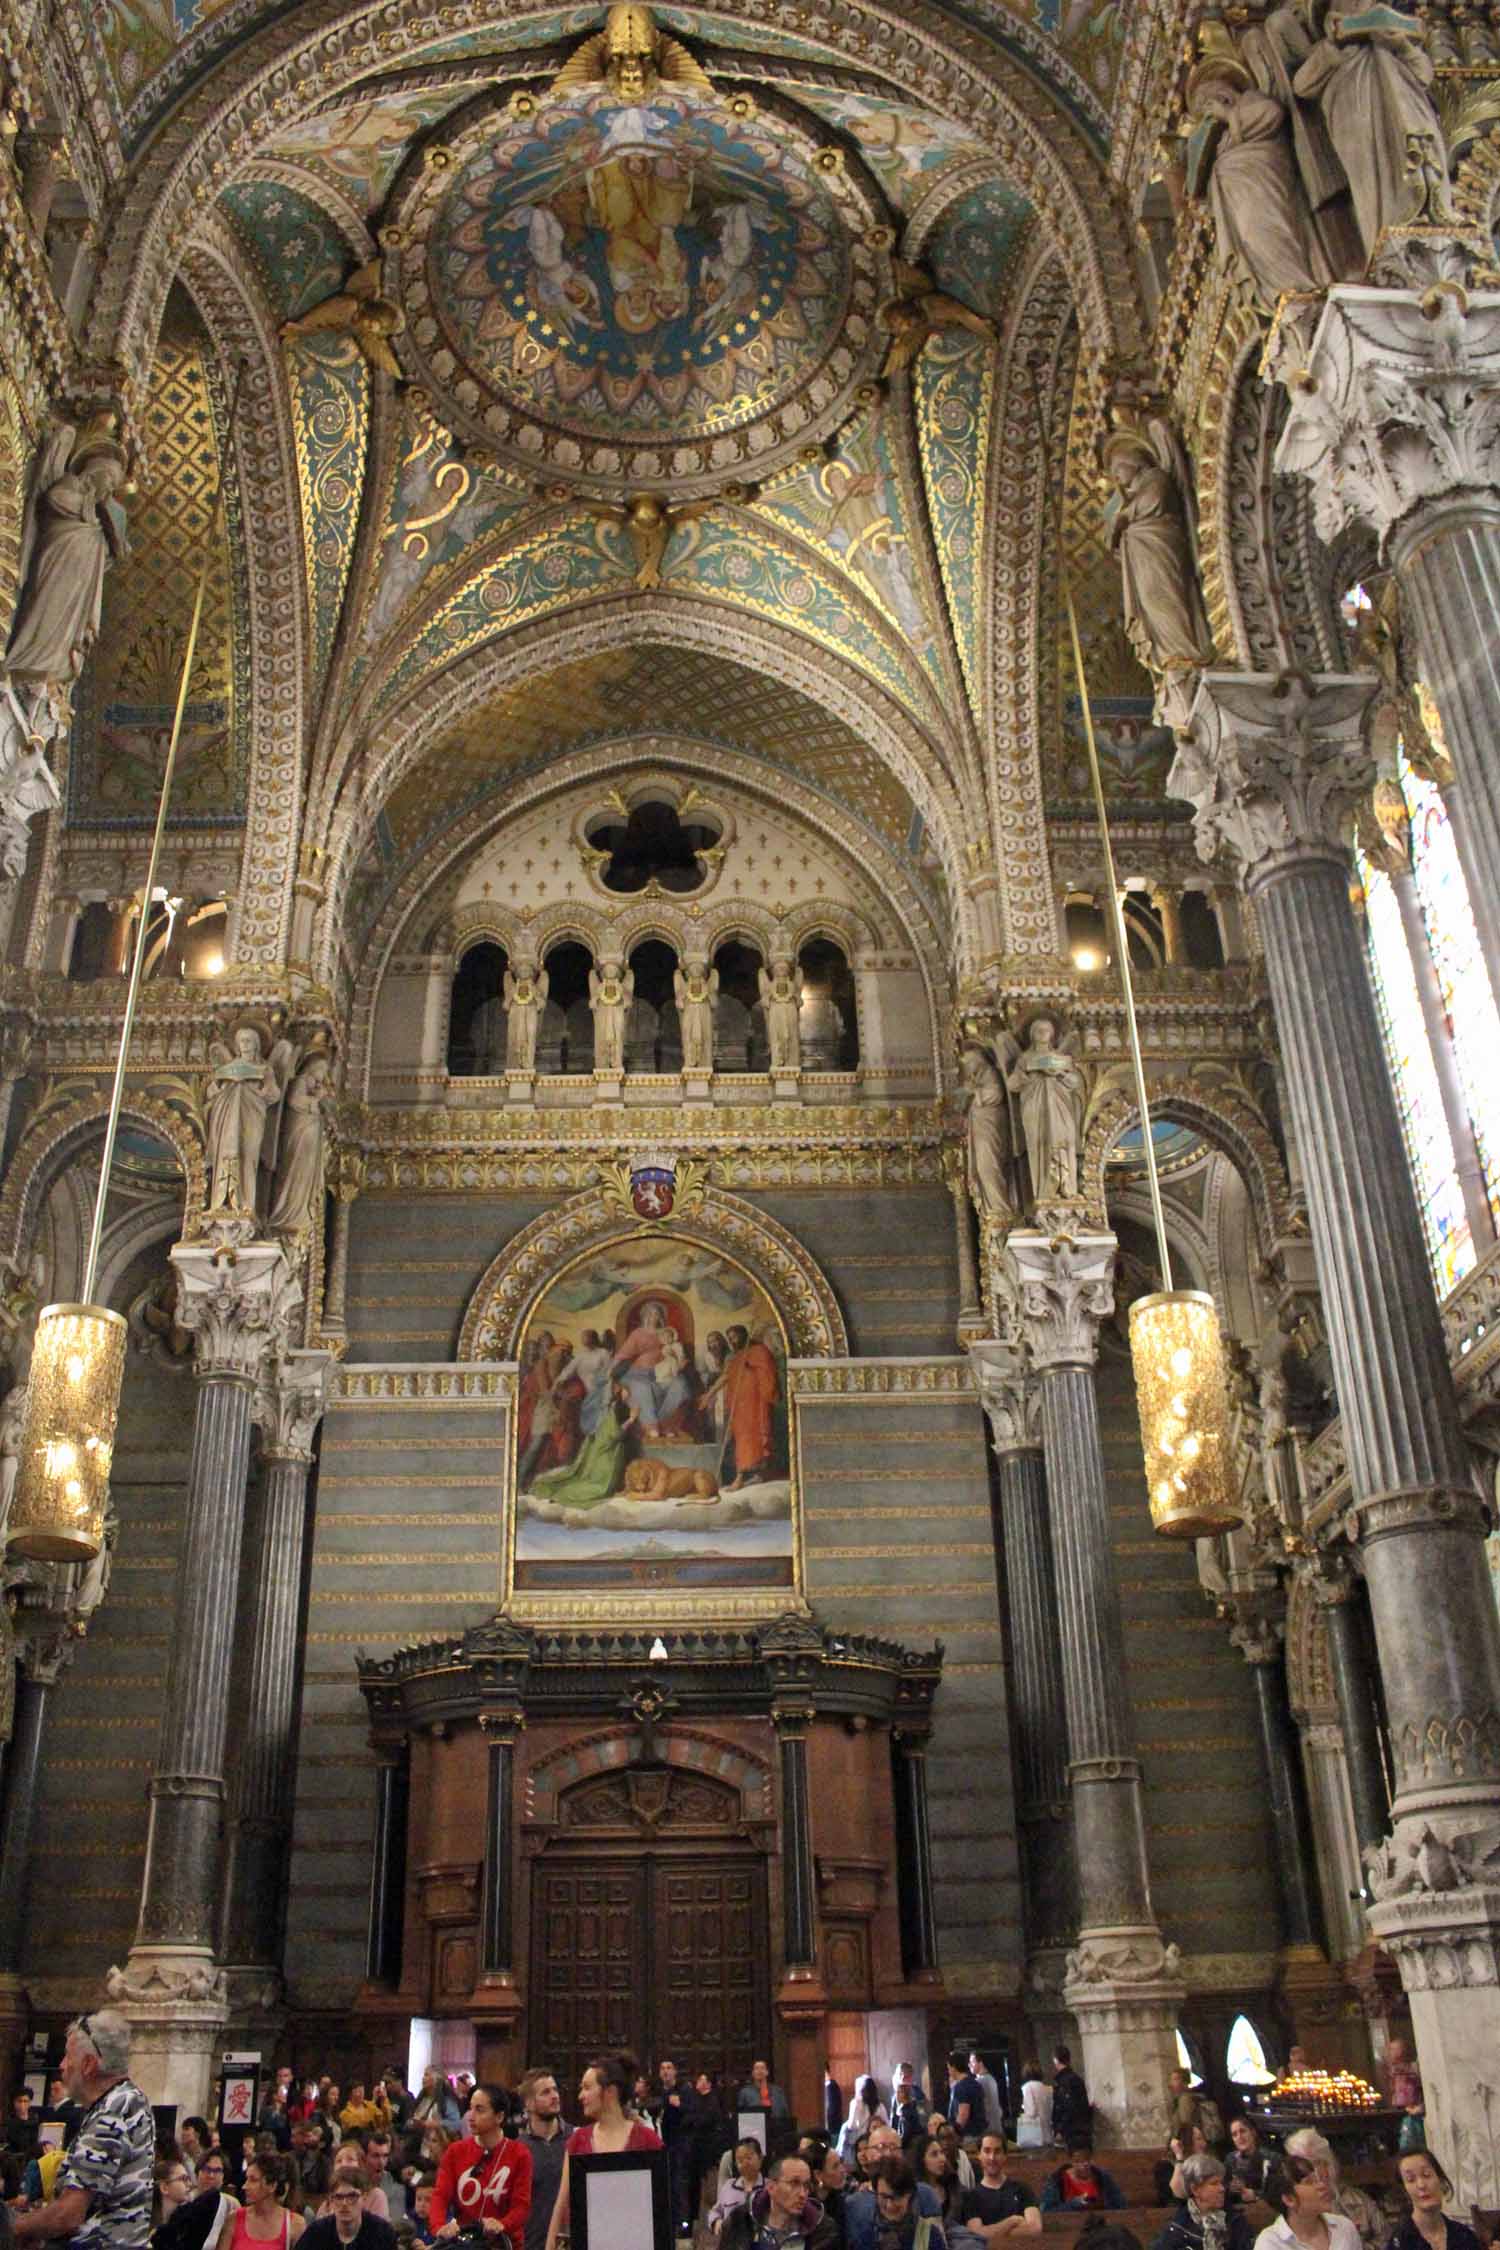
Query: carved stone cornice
{"type": "Point", "coordinates": [1399, 402]}
{"type": "Point", "coordinates": [1273, 765]}
{"type": "Point", "coordinates": [1009, 1394]}
{"type": "Point", "coordinates": [78, 1025]}
{"type": "Point", "coordinates": [289, 1403]}
{"type": "Point", "coordinates": [239, 1304]}
{"type": "Point", "coordinates": [1067, 1288]}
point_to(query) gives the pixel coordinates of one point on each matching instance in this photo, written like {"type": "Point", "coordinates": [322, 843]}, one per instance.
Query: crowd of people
{"type": "Point", "coordinates": [388, 2169]}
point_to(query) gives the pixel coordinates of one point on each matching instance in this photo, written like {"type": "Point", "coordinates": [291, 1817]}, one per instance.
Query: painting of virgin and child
{"type": "Point", "coordinates": [652, 1401]}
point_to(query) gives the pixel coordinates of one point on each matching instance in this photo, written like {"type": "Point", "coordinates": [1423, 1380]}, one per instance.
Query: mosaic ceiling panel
{"type": "Point", "coordinates": [972, 249]}
{"type": "Point", "coordinates": [955, 395]}
{"type": "Point", "coordinates": [330, 387]}
{"type": "Point", "coordinates": [299, 255]}
{"type": "Point", "coordinates": [129, 689]}
{"type": "Point", "coordinates": [358, 148]}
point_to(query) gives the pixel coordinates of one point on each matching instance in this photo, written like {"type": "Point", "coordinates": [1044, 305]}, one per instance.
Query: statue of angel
{"type": "Point", "coordinates": [525, 995]}
{"type": "Point", "coordinates": [783, 1006]}
{"type": "Point", "coordinates": [649, 524]}
{"type": "Point", "coordinates": [245, 1099]}
{"type": "Point", "coordinates": [696, 991]}
{"type": "Point", "coordinates": [630, 56]}
{"type": "Point", "coordinates": [915, 314]}
{"type": "Point", "coordinates": [1155, 534]}
{"type": "Point", "coordinates": [611, 990]}
{"type": "Point", "coordinates": [1048, 1083]}
{"type": "Point", "coordinates": [988, 1132]}
{"type": "Point", "coordinates": [73, 530]}
{"type": "Point", "coordinates": [27, 786]}
{"type": "Point", "coordinates": [92, 1581]}
{"type": "Point", "coordinates": [357, 310]}
{"type": "Point", "coordinates": [297, 1202]}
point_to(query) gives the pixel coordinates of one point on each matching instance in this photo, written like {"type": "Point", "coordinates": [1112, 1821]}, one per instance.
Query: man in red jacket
{"type": "Point", "coordinates": [485, 2180]}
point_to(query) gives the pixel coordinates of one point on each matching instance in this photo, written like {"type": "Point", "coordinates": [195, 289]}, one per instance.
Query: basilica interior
{"type": "Point", "coordinates": [643, 541]}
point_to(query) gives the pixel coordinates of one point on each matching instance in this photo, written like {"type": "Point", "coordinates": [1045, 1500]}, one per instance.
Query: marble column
{"type": "Point", "coordinates": [956, 1180]}
{"type": "Point", "coordinates": [288, 1407]}
{"type": "Point", "coordinates": [42, 1662]}
{"type": "Point", "coordinates": [388, 1866]}
{"type": "Point", "coordinates": [799, 1928]}
{"type": "Point", "coordinates": [497, 1919]}
{"type": "Point", "coordinates": [1168, 904]}
{"type": "Point", "coordinates": [1395, 421]}
{"type": "Point", "coordinates": [1122, 1984]}
{"type": "Point", "coordinates": [919, 1946]}
{"type": "Point", "coordinates": [1467, 1162]}
{"type": "Point", "coordinates": [346, 1184]}
{"type": "Point", "coordinates": [1012, 1403]}
{"type": "Point", "coordinates": [1273, 767]}
{"type": "Point", "coordinates": [1339, 1596]}
{"type": "Point", "coordinates": [1258, 1638]}
{"type": "Point", "coordinates": [238, 1301]}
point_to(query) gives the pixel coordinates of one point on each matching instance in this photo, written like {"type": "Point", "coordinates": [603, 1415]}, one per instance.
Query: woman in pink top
{"type": "Point", "coordinates": [608, 2126]}
{"type": "Point", "coordinates": [265, 2217]}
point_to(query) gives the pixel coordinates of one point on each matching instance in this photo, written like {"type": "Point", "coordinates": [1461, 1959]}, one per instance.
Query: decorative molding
{"type": "Point", "coordinates": [940, 1378]}
{"type": "Point", "coordinates": [1067, 1288]}
{"type": "Point", "coordinates": [238, 1303]}
{"type": "Point", "coordinates": [420, 1382]}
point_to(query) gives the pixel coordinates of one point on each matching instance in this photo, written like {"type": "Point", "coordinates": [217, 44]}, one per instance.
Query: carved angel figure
{"type": "Point", "coordinates": [987, 1107]}
{"type": "Point", "coordinates": [783, 1005]}
{"type": "Point", "coordinates": [1048, 1083]}
{"type": "Point", "coordinates": [27, 786]}
{"type": "Point", "coordinates": [246, 1091]}
{"type": "Point", "coordinates": [297, 1202]}
{"type": "Point", "coordinates": [630, 55]}
{"type": "Point", "coordinates": [915, 314]}
{"type": "Point", "coordinates": [611, 990]}
{"type": "Point", "coordinates": [357, 310]}
{"type": "Point", "coordinates": [1153, 532]}
{"type": "Point", "coordinates": [1373, 77]}
{"type": "Point", "coordinates": [696, 990]}
{"type": "Point", "coordinates": [74, 529]}
{"type": "Point", "coordinates": [1241, 153]}
{"type": "Point", "coordinates": [12, 1422]}
{"type": "Point", "coordinates": [649, 524]}
{"type": "Point", "coordinates": [525, 993]}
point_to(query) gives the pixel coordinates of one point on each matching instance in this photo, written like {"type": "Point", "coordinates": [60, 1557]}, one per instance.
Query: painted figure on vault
{"type": "Point", "coordinates": [640, 195]}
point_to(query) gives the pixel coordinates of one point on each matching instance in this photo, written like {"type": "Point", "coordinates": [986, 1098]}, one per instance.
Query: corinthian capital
{"type": "Point", "coordinates": [238, 1304]}
{"type": "Point", "coordinates": [1273, 764]}
{"type": "Point", "coordinates": [1009, 1396]}
{"type": "Point", "coordinates": [289, 1402]}
{"type": "Point", "coordinates": [1067, 1288]}
{"type": "Point", "coordinates": [1399, 404]}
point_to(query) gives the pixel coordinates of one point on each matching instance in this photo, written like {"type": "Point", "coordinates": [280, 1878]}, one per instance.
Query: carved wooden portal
{"type": "Point", "coordinates": [648, 1928]}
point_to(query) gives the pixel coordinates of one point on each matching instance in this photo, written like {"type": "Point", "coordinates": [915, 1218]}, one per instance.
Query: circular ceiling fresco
{"type": "Point", "coordinates": [658, 291]}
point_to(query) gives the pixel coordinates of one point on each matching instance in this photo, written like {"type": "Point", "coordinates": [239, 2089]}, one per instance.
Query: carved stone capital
{"type": "Point", "coordinates": [1399, 401]}
{"type": "Point", "coordinates": [1009, 1395]}
{"type": "Point", "coordinates": [168, 1979]}
{"type": "Point", "coordinates": [1067, 1288]}
{"type": "Point", "coordinates": [238, 1304]}
{"type": "Point", "coordinates": [1273, 765]}
{"type": "Point", "coordinates": [1258, 1636]}
{"type": "Point", "coordinates": [289, 1402]}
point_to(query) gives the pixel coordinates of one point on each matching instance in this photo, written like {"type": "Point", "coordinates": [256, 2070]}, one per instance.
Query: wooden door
{"type": "Point", "coordinates": [659, 1954]}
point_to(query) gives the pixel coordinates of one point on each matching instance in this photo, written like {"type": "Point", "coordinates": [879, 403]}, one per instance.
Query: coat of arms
{"type": "Point", "coordinates": [653, 1184]}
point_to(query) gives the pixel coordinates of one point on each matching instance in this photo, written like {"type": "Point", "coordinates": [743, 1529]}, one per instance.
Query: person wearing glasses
{"type": "Point", "coordinates": [348, 2223]}
{"type": "Point", "coordinates": [104, 2184]}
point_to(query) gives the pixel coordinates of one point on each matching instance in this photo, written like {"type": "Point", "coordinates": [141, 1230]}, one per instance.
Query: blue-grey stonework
{"type": "Point", "coordinates": [406, 1545]}
{"type": "Point", "coordinates": [414, 1263]}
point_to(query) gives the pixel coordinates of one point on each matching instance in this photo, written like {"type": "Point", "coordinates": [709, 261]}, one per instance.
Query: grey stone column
{"type": "Point", "coordinates": [1273, 768]}
{"type": "Point", "coordinates": [1466, 1158]}
{"type": "Point", "coordinates": [388, 1865]}
{"type": "Point", "coordinates": [1122, 1983]}
{"type": "Point", "coordinates": [288, 1407]}
{"type": "Point", "coordinates": [1395, 420]}
{"type": "Point", "coordinates": [799, 1930]}
{"type": "Point", "coordinates": [1012, 1403]}
{"type": "Point", "coordinates": [1339, 1596]}
{"type": "Point", "coordinates": [1258, 1639]}
{"type": "Point", "coordinates": [40, 1668]}
{"type": "Point", "coordinates": [497, 1921]}
{"type": "Point", "coordinates": [238, 1302]}
{"type": "Point", "coordinates": [970, 1317]}
{"type": "Point", "coordinates": [919, 1946]}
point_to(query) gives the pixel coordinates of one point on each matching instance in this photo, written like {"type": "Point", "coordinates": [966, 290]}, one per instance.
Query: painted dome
{"type": "Point", "coordinates": [657, 291]}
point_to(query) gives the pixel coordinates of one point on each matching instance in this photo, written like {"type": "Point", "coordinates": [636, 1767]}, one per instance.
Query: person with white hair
{"type": "Point", "coordinates": [1204, 2223]}
{"type": "Point", "coordinates": [1364, 2212]}
{"type": "Point", "coordinates": [103, 2192]}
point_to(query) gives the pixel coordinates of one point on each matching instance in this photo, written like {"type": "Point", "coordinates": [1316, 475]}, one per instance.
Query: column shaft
{"type": "Point", "coordinates": [1466, 1159]}
{"type": "Point", "coordinates": [1039, 1722]}
{"type": "Point", "coordinates": [261, 1800]}
{"type": "Point", "coordinates": [23, 1762]}
{"type": "Point", "coordinates": [1291, 1828]}
{"type": "Point", "coordinates": [497, 1922]}
{"type": "Point", "coordinates": [180, 1893]}
{"type": "Point", "coordinates": [1447, 564]}
{"type": "Point", "coordinates": [388, 1869]}
{"type": "Point", "coordinates": [919, 1951]}
{"type": "Point", "coordinates": [799, 1929]}
{"type": "Point", "coordinates": [1354, 1689]}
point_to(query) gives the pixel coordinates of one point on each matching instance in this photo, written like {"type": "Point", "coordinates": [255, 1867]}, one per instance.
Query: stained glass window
{"type": "Point", "coordinates": [1424, 1124]}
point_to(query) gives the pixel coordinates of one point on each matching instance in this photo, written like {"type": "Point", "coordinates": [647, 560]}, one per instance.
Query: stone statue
{"type": "Point", "coordinates": [27, 728]}
{"type": "Point", "coordinates": [915, 314]}
{"type": "Point", "coordinates": [1152, 531]}
{"type": "Point", "coordinates": [696, 990]}
{"type": "Point", "coordinates": [1275, 49]}
{"type": "Point", "coordinates": [357, 310]}
{"type": "Point", "coordinates": [611, 991]}
{"type": "Point", "coordinates": [1242, 153]}
{"type": "Point", "coordinates": [12, 1422]}
{"type": "Point", "coordinates": [1373, 78]}
{"type": "Point", "coordinates": [988, 1128]}
{"type": "Point", "coordinates": [1048, 1084]}
{"type": "Point", "coordinates": [650, 526]}
{"type": "Point", "coordinates": [73, 530]}
{"type": "Point", "coordinates": [94, 1576]}
{"type": "Point", "coordinates": [525, 994]}
{"type": "Point", "coordinates": [246, 1085]}
{"type": "Point", "coordinates": [783, 1005]}
{"type": "Point", "coordinates": [296, 1205]}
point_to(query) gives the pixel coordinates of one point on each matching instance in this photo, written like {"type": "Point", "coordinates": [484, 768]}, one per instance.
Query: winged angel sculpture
{"type": "Point", "coordinates": [1024, 1095]}
{"type": "Point", "coordinates": [915, 314]}
{"type": "Point", "coordinates": [357, 310]}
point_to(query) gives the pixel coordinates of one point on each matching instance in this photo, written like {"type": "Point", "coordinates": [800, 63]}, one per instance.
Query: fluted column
{"type": "Point", "coordinates": [1338, 1595]}
{"type": "Point", "coordinates": [288, 1407]}
{"type": "Point", "coordinates": [799, 1927]}
{"type": "Point", "coordinates": [1122, 1983]}
{"type": "Point", "coordinates": [1273, 768]}
{"type": "Point", "coordinates": [1012, 1403]}
{"type": "Point", "coordinates": [497, 1921]}
{"type": "Point", "coordinates": [1258, 1639]}
{"type": "Point", "coordinates": [1395, 421]}
{"type": "Point", "coordinates": [41, 1666]}
{"type": "Point", "coordinates": [238, 1302]}
{"type": "Point", "coordinates": [919, 1946]}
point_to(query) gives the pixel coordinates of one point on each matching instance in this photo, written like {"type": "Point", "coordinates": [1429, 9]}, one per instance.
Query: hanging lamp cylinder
{"type": "Point", "coordinates": [68, 1438]}
{"type": "Point", "coordinates": [1180, 1388]}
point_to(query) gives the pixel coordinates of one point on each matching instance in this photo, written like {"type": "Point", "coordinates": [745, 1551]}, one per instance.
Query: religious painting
{"type": "Point", "coordinates": [652, 1440]}
{"type": "Point", "coordinates": [657, 267]}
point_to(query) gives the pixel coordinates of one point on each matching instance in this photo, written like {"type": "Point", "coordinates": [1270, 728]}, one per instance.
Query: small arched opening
{"type": "Point", "coordinates": [476, 1015]}
{"type": "Point", "coordinates": [829, 1022]}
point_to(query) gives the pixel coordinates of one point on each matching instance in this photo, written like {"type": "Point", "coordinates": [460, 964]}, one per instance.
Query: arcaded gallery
{"type": "Point", "coordinates": [750, 1104]}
